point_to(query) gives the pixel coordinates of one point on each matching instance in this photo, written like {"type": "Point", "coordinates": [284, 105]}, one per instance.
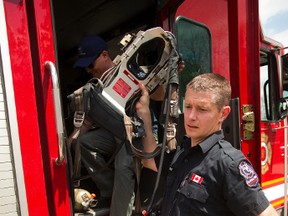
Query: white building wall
{"type": "Point", "coordinates": [8, 201]}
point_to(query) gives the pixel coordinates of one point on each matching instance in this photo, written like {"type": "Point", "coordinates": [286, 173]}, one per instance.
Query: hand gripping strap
{"type": "Point", "coordinates": [137, 152]}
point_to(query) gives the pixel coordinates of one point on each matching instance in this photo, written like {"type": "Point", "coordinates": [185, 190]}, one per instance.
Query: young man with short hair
{"type": "Point", "coordinates": [207, 176]}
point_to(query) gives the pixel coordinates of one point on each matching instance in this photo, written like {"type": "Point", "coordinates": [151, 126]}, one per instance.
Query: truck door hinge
{"type": "Point", "coordinates": [248, 119]}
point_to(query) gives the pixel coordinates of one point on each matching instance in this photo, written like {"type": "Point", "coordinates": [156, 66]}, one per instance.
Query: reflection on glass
{"type": "Point", "coordinates": [194, 45]}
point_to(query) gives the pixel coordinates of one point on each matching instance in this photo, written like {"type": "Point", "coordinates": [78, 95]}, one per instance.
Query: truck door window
{"type": "Point", "coordinates": [285, 75]}
{"type": "Point", "coordinates": [268, 87]}
{"type": "Point", "coordinates": [194, 45]}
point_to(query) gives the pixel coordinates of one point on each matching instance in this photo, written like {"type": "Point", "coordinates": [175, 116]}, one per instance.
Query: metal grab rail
{"type": "Point", "coordinates": [58, 111]}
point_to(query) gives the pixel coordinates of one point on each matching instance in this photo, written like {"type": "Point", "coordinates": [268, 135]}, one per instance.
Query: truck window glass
{"type": "Point", "coordinates": [263, 85]}
{"type": "Point", "coordinates": [194, 45]}
{"type": "Point", "coordinates": [285, 75]}
{"type": "Point", "coordinates": [268, 87]}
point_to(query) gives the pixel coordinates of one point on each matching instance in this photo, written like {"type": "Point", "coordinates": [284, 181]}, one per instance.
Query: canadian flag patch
{"type": "Point", "coordinates": [196, 178]}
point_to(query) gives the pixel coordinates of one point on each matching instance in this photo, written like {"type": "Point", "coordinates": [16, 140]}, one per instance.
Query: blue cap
{"type": "Point", "coordinates": [89, 49]}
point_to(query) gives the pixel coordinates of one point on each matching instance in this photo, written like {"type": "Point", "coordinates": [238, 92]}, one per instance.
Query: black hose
{"type": "Point", "coordinates": [166, 113]}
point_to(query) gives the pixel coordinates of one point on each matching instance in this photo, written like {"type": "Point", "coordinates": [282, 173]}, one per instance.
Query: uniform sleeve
{"type": "Point", "coordinates": [242, 189]}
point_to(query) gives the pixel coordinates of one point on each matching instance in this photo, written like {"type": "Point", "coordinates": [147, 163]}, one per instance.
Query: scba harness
{"type": "Point", "coordinates": [149, 57]}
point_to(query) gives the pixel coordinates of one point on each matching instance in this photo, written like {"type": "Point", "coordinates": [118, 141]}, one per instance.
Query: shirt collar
{"type": "Point", "coordinates": [210, 141]}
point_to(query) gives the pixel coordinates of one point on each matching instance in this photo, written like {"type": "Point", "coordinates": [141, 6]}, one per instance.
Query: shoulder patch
{"type": "Point", "coordinates": [249, 174]}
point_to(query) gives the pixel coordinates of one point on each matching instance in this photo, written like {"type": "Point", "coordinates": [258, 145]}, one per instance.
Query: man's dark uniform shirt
{"type": "Point", "coordinates": [212, 178]}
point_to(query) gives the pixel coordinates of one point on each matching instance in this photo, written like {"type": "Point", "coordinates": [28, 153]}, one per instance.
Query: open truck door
{"type": "Point", "coordinates": [225, 37]}
{"type": "Point", "coordinates": [31, 44]}
{"type": "Point", "coordinates": [199, 42]}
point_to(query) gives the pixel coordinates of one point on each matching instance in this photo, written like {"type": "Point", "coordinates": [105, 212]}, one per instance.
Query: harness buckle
{"type": "Point", "coordinates": [171, 138]}
{"type": "Point", "coordinates": [79, 117]}
{"type": "Point", "coordinates": [171, 131]}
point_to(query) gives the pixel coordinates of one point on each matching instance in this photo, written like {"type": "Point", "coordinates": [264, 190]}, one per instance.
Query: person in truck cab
{"type": "Point", "coordinates": [207, 176]}
{"type": "Point", "coordinates": [116, 182]}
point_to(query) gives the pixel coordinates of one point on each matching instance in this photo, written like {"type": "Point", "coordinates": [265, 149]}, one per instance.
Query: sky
{"type": "Point", "coordinates": [274, 20]}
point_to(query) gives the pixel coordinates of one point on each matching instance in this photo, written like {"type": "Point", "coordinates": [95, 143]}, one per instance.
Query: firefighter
{"type": "Point", "coordinates": [207, 175]}
{"type": "Point", "coordinates": [98, 145]}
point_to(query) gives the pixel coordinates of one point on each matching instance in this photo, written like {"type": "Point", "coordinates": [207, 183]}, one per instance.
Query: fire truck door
{"type": "Point", "coordinates": [31, 47]}
{"type": "Point", "coordinates": [49, 107]}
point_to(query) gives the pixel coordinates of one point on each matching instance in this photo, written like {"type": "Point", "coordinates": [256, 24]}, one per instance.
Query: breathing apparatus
{"type": "Point", "coordinates": [149, 57]}
{"type": "Point", "coordinates": [145, 59]}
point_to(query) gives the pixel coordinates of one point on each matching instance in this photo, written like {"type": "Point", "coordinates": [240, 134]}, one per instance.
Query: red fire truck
{"type": "Point", "coordinates": [38, 46]}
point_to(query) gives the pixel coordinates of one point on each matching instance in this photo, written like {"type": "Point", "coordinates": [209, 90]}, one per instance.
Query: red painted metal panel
{"type": "Point", "coordinates": [26, 107]}
{"type": "Point", "coordinates": [235, 52]}
{"type": "Point", "coordinates": [31, 44]}
{"type": "Point", "coordinates": [247, 70]}
{"type": "Point", "coordinates": [56, 176]}
{"type": "Point", "coordinates": [272, 156]}
{"type": "Point", "coordinates": [213, 14]}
